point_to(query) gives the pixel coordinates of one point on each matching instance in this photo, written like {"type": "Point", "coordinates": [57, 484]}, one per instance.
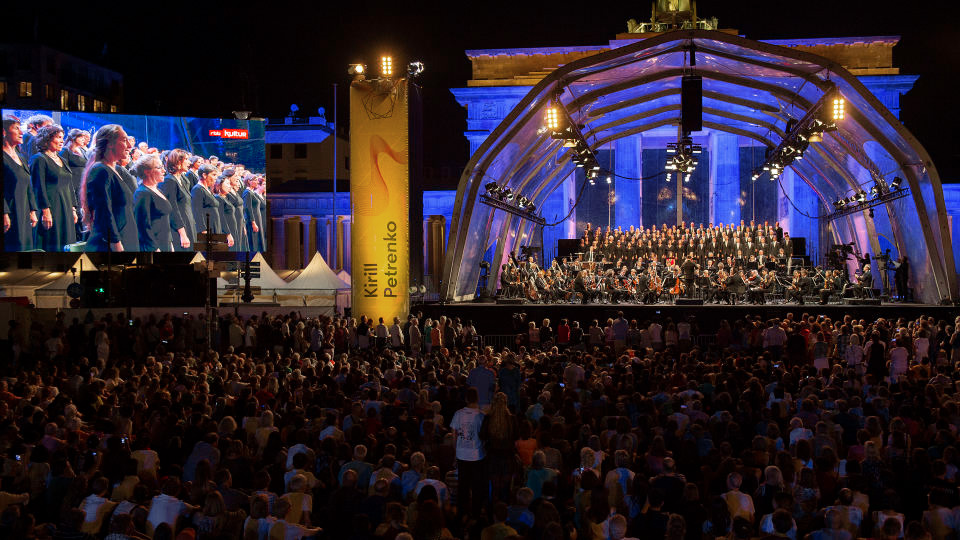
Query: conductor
{"type": "Point", "coordinates": [688, 273]}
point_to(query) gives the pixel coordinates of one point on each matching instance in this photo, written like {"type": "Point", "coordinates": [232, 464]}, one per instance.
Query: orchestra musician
{"type": "Point", "coordinates": [864, 286]}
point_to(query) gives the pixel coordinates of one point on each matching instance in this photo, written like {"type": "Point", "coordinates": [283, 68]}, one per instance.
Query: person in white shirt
{"type": "Point", "coordinates": [166, 507]}
{"type": "Point", "coordinates": [396, 334]}
{"type": "Point", "coordinates": [96, 506]}
{"type": "Point", "coordinates": [470, 455]}
{"type": "Point", "coordinates": [655, 331]}
{"type": "Point", "coordinates": [898, 360]}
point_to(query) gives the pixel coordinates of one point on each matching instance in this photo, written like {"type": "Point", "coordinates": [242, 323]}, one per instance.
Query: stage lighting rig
{"type": "Point", "coordinates": [414, 69]}
{"type": "Point", "coordinates": [386, 66]}
{"type": "Point", "coordinates": [357, 70]}
{"type": "Point", "coordinates": [838, 108]}
{"type": "Point", "coordinates": [861, 201]}
{"type": "Point", "coordinates": [682, 156]}
{"type": "Point", "coordinates": [503, 198]}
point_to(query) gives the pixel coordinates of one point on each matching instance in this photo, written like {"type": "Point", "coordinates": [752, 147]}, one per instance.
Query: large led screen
{"type": "Point", "coordinates": [79, 181]}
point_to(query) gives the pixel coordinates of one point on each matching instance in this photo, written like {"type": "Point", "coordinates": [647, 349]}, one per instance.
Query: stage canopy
{"type": "Point", "coordinates": [750, 89]}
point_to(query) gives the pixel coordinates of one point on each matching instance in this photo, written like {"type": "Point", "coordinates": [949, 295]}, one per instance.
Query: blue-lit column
{"type": "Point", "coordinates": [724, 151]}
{"type": "Point", "coordinates": [788, 181]}
{"type": "Point", "coordinates": [626, 157]}
{"type": "Point", "coordinates": [569, 188]}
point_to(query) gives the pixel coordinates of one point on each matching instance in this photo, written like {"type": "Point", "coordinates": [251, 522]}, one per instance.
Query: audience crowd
{"type": "Point", "coordinates": [293, 427]}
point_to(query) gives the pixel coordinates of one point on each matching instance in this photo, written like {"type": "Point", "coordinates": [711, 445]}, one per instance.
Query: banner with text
{"type": "Point", "coordinates": [380, 191]}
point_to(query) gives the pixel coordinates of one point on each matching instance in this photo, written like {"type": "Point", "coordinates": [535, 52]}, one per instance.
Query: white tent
{"type": "Point", "coordinates": [272, 286]}
{"type": "Point", "coordinates": [317, 276]}
{"type": "Point", "coordinates": [344, 277]}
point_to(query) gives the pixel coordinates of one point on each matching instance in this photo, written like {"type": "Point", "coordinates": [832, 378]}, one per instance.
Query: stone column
{"type": "Point", "coordinates": [626, 156]}
{"type": "Point", "coordinates": [569, 188]}
{"type": "Point", "coordinates": [309, 238]}
{"type": "Point", "coordinates": [724, 151]}
{"type": "Point", "coordinates": [293, 246]}
{"type": "Point", "coordinates": [279, 242]}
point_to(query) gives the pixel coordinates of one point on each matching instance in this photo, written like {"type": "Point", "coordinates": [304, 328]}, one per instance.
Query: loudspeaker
{"type": "Point", "coordinates": [799, 246]}
{"type": "Point", "coordinates": [567, 247]}
{"type": "Point", "coordinates": [511, 301]}
{"type": "Point", "coordinates": [691, 103]}
{"type": "Point", "coordinates": [689, 301]}
{"type": "Point", "coordinates": [862, 301]}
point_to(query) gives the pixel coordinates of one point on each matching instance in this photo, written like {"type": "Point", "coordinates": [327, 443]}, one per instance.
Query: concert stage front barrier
{"type": "Point", "coordinates": [750, 91]}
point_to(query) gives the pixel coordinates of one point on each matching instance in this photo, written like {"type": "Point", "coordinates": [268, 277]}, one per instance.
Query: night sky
{"type": "Point", "coordinates": [206, 60]}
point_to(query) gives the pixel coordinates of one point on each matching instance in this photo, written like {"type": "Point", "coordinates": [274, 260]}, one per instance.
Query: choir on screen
{"type": "Point", "coordinates": [73, 191]}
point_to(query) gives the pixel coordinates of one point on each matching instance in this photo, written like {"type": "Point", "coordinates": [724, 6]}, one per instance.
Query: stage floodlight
{"type": "Point", "coordinates": [609, 180]}
{"type": "Point", "coordinates": [357, 70]}
{"type": "Point", "coordinates": [522, 202]}
{"type": "Point", "coordinates": [838, 109]}
{"type": "Point", "coordinates": [414, 69]}
{"type": "Point", "coordinates": [895, 185]}
{"type": "Point", "coordinates": [669, 177]}
{"type": "Point", "coordinates": [506, 194]}
{"type": "Point", "coordinates": [816, 136]}
{"type": "Point", "coordinates": [386, 66]}
{"type": "Point", "coordinates": [551, 118]}
{"type": "Point", "coordinates": [861, 196]}
{"type": "Point", "coordinates": [686, 178]}
{"type": "Point", "coordinates": [592, 182]}
{"type": "Point", "coordinates": [531, 208]}
{"type": "Point", "coordinates": [492, 188]}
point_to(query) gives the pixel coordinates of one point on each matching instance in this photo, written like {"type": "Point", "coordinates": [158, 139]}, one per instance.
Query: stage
{"type": "Point", "coordinates": [493, 318]}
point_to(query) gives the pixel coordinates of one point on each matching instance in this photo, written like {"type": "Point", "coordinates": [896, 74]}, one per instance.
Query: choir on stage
{"type": "Point", "coordinates": [745, 263]}
{"type": "Point", "coordinates": [70, 191]}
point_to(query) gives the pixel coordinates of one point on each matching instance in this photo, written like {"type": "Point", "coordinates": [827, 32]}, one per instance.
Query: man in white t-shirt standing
{"type": "Point", "coordinates": [471, 476]}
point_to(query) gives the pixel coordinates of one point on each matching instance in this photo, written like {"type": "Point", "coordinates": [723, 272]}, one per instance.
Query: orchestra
{"type": "Point", "coordinates": [722, 264]}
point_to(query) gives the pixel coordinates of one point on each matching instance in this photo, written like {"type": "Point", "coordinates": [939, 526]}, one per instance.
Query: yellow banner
{"type": "Point", "coordinates": [379, 195]}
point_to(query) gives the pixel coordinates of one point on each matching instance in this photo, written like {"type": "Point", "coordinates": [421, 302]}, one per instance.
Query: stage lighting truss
{"type": "Point", "coordinates": [558, 124]}
{"type": "Point", "coordinates": [861, 200]}
{"type": "Point", "coordinates": [800, 133]}
{"type": "Point", "coordinates": [505, 199]}
{"type": "Point", "coordinates": [682, 158]}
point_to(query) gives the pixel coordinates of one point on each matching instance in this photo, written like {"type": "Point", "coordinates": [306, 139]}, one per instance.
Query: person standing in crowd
{"type": "Point", "coordinates": [252, 213]}
{"type": "Point", "coordinates": [226, 210]}
{"type": "Point", "coordinates": [53, 185]}
{"type": "Point", "coordinates": [19, 199]}
{"type": "Point", "coordinates": [153, 213]}
{"type": "Point", "coordinates": [241, 238]}
{"type": "Point", "coordinates": [123, 206]}
{"type": "Point", "coordinates": [74, 154]}
{"type": "Point", "coordinates": [99, 183]}
{"type": "Point", "coordinates": [174, 188]}
{"type": "Point", "coordinates": [34, 124]}
{"type": "Point", "coordinates": [470, 453]}
{"type": "Point", "coordinates": [204, 204]}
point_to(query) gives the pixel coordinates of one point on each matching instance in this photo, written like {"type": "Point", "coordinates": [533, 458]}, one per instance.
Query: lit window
{"type": "Point", "coordinates": [26, 89]}
{"type": "Point", "coordinates": [48, 92]}
{"type": "Point", "coordinates": [64, 100]}
{"type": "Point", "coordinates": [81, 102]}
{"type": "Point", "coordinates": [113, 108]}
{"type": "Point", "coordinates": [98, 106]}
{"type": "Point", "coordinates": [3, 91]}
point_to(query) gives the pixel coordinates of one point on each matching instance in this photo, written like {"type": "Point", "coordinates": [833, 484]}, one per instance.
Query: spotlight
{"type": "Point", "coordinates": [669, 177]}
{"type": "Point", "coordinates": [839, 204]}
{"type": "Point", "coordinates": [816, 136]}
{"type": "Point", "coordinates": [756, 175]}
{"type": "Point", "coordinates": [686, 178]}
{"type": "Point", "coordinates": [895, 185]}
{"type": "Point", "coordinates": [551, 118]}
{"type": "Point", "coordinates": [861, 196]}
{"type": "Point", "coordinates": [531, 208]}
{"type": "Point", "coordinates": [522, 202]}
{"type": "Point", "coordinates": [506, 194]}
{"type": "Point", "coordinates": [414, 69]}
{"type": "Point", "coordinates": [386, 66]}
{"type": "Point", "coordinates": [609, 180]}
{"type": "Point", "coordinates": [357, 70]}
{"type": "Point", "coordinates": [838, 109]}
{"type": "Point", "coordinates": [492, 188]}
{"type": "Point", "coordinates": [592, 183]}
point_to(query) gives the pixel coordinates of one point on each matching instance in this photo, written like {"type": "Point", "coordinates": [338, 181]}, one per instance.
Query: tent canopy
{"type": "Point", "coordinates": [317, 276]}
{"type": "Point", "coordinates": [751, 89]}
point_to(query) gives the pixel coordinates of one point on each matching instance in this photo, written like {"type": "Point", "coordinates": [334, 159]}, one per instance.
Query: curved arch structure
{"type": "Point", "coordinates": [750, 89]}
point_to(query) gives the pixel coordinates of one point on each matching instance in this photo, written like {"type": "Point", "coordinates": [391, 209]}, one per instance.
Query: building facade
{"type": "Point", "coordinates": [40, 77]}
